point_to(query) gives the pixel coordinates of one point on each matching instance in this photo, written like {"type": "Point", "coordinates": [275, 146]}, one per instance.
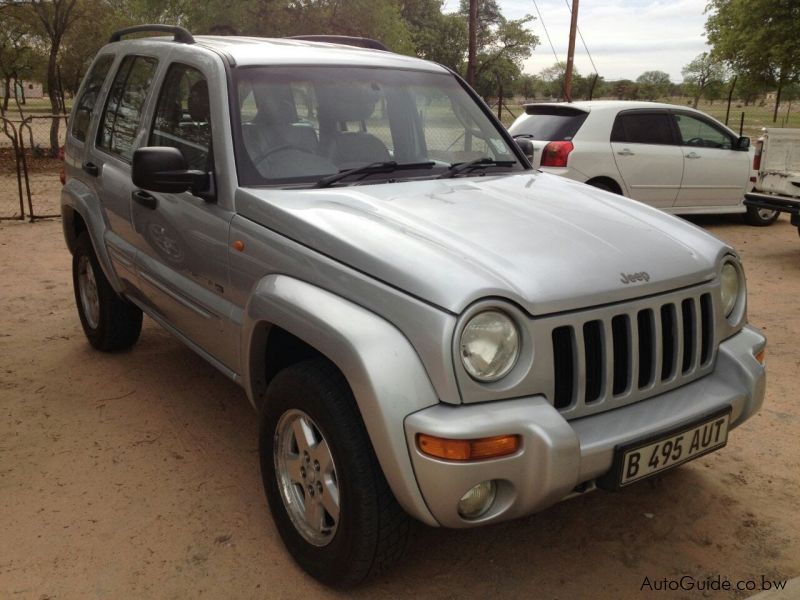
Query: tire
{"type": "Point", "coordinates": [760, 217]}
{"type": "Point", "coordinates": [109, 321]}
{"type": "Point", "coordinates": [338, 543]}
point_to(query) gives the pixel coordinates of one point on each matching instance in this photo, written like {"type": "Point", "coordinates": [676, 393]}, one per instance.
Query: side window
{"type": "Point", "coordinates": [183, 119]}
{"type": "Point", "coordinates": [696, 132]}
{"type": "Point", "coordinates": [123, 112]}
{"type": "Point", "coordinates": [642, 128]}
{"type": "Point", "coordinates": [84, 106]}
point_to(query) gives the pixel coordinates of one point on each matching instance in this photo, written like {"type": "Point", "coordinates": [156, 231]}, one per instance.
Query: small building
{"type": "Point", "coordinates": [31, 90]}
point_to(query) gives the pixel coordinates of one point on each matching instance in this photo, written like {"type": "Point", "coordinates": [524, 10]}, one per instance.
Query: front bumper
{"type": "Point", "coordinates": [557, 456]}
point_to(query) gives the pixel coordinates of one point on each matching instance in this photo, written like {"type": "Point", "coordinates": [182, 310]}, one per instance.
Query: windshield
{"type": "Point", "coordinates": [297, 125]}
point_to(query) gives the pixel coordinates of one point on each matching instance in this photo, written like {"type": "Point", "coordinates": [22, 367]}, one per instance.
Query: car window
{"type": "Point", "coordinates": [698, 132]}
{"type": "Point", "coordinates": [550, 123]}
{"type": "Point", "coordinates": [182, 118]}
{"type": "Point", "coordinates": [297, 125]}
{"type": "Point", "coordinates": [84, 106]}
{"type": "Point", "coordinates": [642, 128]}
{"type": "Point", "coordinates": [123, 111]}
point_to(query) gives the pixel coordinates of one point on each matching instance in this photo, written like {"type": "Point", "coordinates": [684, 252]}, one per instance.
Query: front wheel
{"type": "Point", "coordinates": [328, 496]}
{"type": "Point", "coordinates": [109, 321]}
{"type": "Point", "coordinates": [761, 217]}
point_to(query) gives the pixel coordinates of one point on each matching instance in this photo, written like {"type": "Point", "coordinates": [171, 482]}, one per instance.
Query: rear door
{"type": "Point", "coordinates": [647, 156]}
{"type": "Point", "coordinates": [714, 172]}
{"type": "Point", "coordinates": [108, 158]}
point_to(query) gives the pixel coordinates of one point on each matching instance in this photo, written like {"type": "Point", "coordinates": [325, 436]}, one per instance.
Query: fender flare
{"type": "Point", "coordinates": [384, 372]}
{"type": "Point", "coordinates": [77, 198]}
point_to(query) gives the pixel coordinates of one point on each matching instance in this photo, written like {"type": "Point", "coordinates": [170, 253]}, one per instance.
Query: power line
{"type": "Point", "coordinates": [558, 62]}
{"type": "Point", "coordinates": [585, 47]}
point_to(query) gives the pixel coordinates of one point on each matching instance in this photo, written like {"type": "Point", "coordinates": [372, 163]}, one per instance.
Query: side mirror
{"type": "Point", "coordinates": [164, 169]}
{"type": "Point", "coordinates": [743, 143]}
{"type": "Point", "coordinates": [526, 146]}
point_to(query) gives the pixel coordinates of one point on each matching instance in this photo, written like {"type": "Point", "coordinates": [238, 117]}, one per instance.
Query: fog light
{"type": "Point", "coordinates": [477, 500]}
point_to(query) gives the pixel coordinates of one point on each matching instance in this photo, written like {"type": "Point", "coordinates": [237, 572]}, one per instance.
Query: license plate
{"type": "Point", "coordinates": [669, 450]}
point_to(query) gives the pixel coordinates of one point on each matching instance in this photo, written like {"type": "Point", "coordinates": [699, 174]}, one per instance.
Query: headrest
{"type": "Point", "coordinates": [198, 102]}
{"type": "Point", "coordinates": [348, 101]}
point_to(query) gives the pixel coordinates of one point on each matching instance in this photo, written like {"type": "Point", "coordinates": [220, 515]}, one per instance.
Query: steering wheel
{"type": "Point", "coordinates": [264, 155]}
{"type": "Point", "coordinates": [696, 141]}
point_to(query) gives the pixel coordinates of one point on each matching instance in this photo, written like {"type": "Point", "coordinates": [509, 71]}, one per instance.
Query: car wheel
{"type": "Point", "coordinates": [109, 321]}
{"type": "Point", "coordinates": [328, 496]}
{"type": "Point", "coordinates": [761, 217]}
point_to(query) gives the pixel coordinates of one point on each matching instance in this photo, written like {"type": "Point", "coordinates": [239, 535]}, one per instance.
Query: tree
{"type": "Point", "coordinates": [435, 36]}
{"type": "Point", "coordinates": [759, 37]}
{"type": "Point", "coordinates": [700, 73]}
{"type": "Point", "coordinates": [500, 41]}
{"type": "Point", "coordinates": [653, 84]}
{"type": "Point", "coordinates": [18, 58]}
{"type": "Point", "coordinates": [50, 20]}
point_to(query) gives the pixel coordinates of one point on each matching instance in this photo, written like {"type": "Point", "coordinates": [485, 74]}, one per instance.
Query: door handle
{"type": "Point", "coordinates": [625, 152]}
{"type": "Point", "coordinates": [145, 199]}
{"type": "Point", "coordinates": [91, 169]}
{"type": "Point", "coordinates": [693, 155]}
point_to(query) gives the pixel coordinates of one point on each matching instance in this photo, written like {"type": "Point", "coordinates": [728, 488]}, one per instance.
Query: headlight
{"type": "Point", "coordinates": [730, 284]}
{"type": "Point", "coordinates": [489, 345]}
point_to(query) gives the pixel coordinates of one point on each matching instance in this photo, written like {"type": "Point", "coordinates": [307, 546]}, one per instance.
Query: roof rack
{"type": "Point", "coordinates": [347, 40]}
{"type": "Point", "coordinates": [181, 35]}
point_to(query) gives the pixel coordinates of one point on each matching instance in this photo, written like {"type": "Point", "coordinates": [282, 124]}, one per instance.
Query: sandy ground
{"type": "Point", "coordinates": [135, 475]}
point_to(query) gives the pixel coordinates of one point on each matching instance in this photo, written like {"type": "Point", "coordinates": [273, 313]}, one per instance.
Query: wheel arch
{"type": "Point", "coordinates": [81, 211]}
{"type": "Point", "coordinates": [287, 320]}
{"type": "Point", "coordinates": [609, 181]}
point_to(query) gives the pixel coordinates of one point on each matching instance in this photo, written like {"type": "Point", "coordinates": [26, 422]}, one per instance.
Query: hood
{"type": "Point", "coordinates": [544, 242]}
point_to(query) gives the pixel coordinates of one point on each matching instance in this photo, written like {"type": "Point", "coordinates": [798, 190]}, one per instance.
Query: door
{"type": "Point", "coordinates": [107, 160]}
{"type": "Point", "coordinates": [715, 173]}
{"type": "Point", "coordinates": [649, 161]}
{"type": "Point", "coordinates": [182, 238]}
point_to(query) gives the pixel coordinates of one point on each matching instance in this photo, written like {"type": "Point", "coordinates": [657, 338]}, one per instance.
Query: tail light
{"type": "Point", "coordinates": [757, 155]}
{"type": "Point", "coordinates": [555, 154]}
{"type": "Point", "coordinates": [62, 174]}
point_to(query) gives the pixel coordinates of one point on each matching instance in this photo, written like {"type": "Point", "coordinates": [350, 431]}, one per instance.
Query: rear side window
{"type": "Point", "coordinates": [84, 107]}
{"type": "Point", "coordinates": [183, 118]}
{"type": "Point", "coordinates": [551, 123]}
{"type": "Point", "coordinates": [642, 128]}
{"type": "Point", "coordinates": [123, 112]}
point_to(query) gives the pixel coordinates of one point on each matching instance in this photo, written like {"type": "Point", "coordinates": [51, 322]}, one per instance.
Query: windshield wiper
{"type": "Point", "coordinates": [478, 163]}
{"type": "Point", "coordinates": [376, 167]}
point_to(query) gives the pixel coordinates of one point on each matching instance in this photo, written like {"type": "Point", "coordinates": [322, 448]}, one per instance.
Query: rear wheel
{"type": "Point", "coordinates": [761, 217]}
{"type": "Point", "coordinates": [109, 321]}
{"type": "Point", "coordinates": [327, 493]}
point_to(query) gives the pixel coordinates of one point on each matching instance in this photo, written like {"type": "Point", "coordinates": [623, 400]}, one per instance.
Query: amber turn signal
{"type": "Point", "coordinates": [462, 450]}
{"type": "Point", "coordinates": [762, 356]}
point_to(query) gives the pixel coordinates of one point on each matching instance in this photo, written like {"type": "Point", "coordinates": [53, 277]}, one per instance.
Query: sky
{"type": "Point", "coordinates": [625, 37]}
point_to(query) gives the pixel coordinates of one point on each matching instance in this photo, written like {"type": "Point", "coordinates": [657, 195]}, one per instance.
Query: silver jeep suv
{"type": "Point", "coordinates": [426, 326]}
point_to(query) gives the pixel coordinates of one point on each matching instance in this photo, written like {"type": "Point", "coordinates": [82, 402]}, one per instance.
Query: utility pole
{"type": "Point", "coordinates": [473, 41]}
{"type": "Point", "coordinates": [573, 26]}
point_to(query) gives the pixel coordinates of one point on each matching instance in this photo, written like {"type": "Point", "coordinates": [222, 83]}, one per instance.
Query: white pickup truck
{"type": "Point", "coordinates": [777, 185]}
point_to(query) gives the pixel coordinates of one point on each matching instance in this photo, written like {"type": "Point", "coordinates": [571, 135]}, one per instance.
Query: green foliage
{"type": "Point", "coordinates": [758, 38]}
{"type": "Point", "coordinates": [703, 76]}
{"type": "Point", "coordinates": [653, 84]}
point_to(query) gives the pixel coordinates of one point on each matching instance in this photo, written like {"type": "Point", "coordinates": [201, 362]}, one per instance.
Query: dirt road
{"type": "Point", "coordinates": [135, 475]}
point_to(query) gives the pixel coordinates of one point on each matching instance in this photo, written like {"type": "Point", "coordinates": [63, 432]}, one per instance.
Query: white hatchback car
{"type": "Point", "coordinates": [672, 157]}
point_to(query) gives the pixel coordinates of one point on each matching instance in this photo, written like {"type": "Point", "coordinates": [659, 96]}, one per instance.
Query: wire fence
{"type": "Point", "coordinates": [30, 163]}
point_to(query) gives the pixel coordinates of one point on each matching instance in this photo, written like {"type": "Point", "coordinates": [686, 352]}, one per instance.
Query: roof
{"type": "Point", "coordinates": [252, 51]}
{"type": "Point", "coordinates": [611, 105]}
